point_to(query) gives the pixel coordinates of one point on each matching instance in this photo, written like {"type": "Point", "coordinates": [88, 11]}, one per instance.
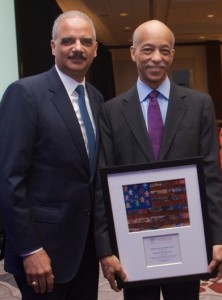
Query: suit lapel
{"type": "Point", "coordinates": [64, 107]}
{"type": "Point", "coordinates": [175, 113]}
{"type": "Point", "coordinates": [132, 112]}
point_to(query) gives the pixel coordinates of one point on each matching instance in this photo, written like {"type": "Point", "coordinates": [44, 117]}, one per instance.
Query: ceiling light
{"type": "Point", "coordinates": [123, 14]}
{"type": "Point", "coordinates": [127, 28]}
{"type": "Point", "coordinates": [210, 15]}
{"type": "Point", "coordinates": [202, 37]}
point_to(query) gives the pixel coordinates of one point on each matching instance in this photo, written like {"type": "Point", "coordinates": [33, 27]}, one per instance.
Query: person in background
{"type": "Point", "coordinates": [48, 165]}
{"type": "Point", "coordinates": [188, 129]}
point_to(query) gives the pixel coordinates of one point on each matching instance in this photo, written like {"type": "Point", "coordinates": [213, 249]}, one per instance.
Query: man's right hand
{"type": "Point", "coordinates": [39, 272]}
{"type": "Point", "coordinates": [111, 267]}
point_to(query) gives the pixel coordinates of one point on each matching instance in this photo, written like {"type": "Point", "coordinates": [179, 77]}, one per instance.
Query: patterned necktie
{"type": "Point", "coordinates": [87, 123]}
{"type": "Point", "coordinates": [155, 123]}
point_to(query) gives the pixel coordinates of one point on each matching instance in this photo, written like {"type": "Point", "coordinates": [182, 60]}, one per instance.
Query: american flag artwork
{"type": "Point", "coordinates": [156, 205]}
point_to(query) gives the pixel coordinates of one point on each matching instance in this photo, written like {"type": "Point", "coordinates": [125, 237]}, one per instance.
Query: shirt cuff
{"type": "Point", "coordinates": [29, 253]}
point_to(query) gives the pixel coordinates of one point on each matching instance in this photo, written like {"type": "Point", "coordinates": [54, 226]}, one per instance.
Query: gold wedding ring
{"type": "Point", "coordinates": [34, 283]}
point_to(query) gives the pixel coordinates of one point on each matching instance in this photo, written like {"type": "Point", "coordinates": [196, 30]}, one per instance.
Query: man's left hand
{"type": "Point", "coordinates": [216, 263]}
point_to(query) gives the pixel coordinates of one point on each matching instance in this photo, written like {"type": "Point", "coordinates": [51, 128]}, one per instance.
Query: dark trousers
{"type": "Point", "coordinates": [83, 287]}
{"type": "Point", "coordinates": [173, 291]}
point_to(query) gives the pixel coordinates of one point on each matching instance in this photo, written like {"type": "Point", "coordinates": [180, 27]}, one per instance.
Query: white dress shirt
{"type": "Point", "coordinates": [70, 86]}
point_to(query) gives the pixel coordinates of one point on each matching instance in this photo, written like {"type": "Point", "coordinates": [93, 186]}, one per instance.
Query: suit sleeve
{"type": "Point", "coordinates": [209, 149]}
{"type": "Point", "coordinates": [18, 116]}
{"type": "Point", "coordinates": [103, 244]}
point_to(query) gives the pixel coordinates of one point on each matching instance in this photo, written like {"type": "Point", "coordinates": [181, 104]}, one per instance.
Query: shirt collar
{"type": "Point", "coordinates": [69, 83]}
{"type": "Point", "coordinates": [144, 90]}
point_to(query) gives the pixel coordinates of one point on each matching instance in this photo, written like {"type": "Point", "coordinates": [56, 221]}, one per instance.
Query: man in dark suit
{"type": "Point", "coordinates": [189, 130]}
{"type": "Point", "coordinates": [46, 181]}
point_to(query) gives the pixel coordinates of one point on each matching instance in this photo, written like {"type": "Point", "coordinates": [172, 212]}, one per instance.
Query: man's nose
{"type": "Point", "coordinates": [77, 46]}
{"type": "Point", "coordinates": [157, 55]}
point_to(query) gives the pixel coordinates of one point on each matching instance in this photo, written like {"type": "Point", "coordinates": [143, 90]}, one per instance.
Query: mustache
{"type": "Point", "coordinates": [160, 65]}
{"type": "Point", "coordinates": [77, 54]}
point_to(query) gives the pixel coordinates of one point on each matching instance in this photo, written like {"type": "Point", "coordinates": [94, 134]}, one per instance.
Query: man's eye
{"type": "Point", "coordinates": [66, 41]}
{"type": "Point", "coordinates": [165, 51]}
{"type": "Point", "coordinates": [86, 42]}
{"type": "Point", "coordinates": [146, 50]}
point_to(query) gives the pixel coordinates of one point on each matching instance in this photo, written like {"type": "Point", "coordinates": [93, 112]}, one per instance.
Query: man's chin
{"type": "Point", "coordinates": [155, 77]}
{"type": "Point", "coordinates": [77, 66]}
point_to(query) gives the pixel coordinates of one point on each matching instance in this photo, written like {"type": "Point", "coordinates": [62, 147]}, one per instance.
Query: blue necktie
{"type": "Point", "coordinates": [155, 123]}
{"type": "Point", "coordinates": [87, 123]}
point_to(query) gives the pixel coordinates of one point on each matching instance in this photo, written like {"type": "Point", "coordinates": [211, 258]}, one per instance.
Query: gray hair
{"type": "Point", "coordinates": [67, 15]}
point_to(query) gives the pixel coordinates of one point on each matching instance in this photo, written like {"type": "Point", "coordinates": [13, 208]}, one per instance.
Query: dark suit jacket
{"type": "Point", "coordinates": [190, 130]}
{"type": "Point", "coordinates": [46, 189]}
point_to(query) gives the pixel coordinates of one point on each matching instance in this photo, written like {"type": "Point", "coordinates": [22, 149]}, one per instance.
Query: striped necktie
{"type": "Point", "coordinates": [155, 123]}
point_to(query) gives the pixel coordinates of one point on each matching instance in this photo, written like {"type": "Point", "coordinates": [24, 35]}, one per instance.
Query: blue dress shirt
{"type": "Point", "coordinates": [163, 98]}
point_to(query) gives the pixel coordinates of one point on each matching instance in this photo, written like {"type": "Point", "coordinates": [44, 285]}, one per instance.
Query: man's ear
{"type": "Point", "coordinates": [173, 53]}
{"type": "Point", "coordinates": [52, 44]}
{"type": "Point", "coordinates": [132, 52]}
{"type": "Point", "coordinates": [96, 48]}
